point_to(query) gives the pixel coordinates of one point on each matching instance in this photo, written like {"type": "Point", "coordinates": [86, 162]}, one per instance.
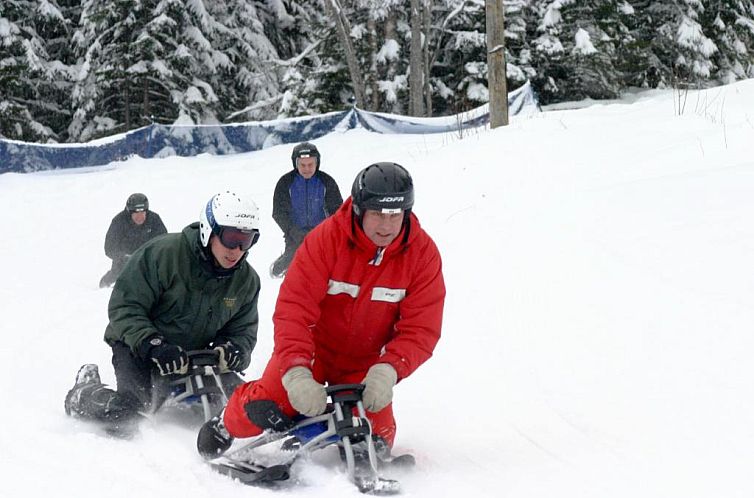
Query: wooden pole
{"type": "Point", "coordinates": [496, 83]}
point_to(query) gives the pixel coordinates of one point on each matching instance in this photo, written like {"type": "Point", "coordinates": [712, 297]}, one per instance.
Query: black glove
{"type": "Point", "coordinates": [232, 358]}
{"type": "Point", "coordinates": [169, 358]}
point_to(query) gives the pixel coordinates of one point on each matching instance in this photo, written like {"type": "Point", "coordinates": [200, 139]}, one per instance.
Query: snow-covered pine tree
{"type": "Point", "coordinates": [280, 82]}
{"type": "Point", "coordinates": [634, 57]}
{"type": "Point", "coordinates": [112, 91]}
{"type": "Point", "coordinates": [518, 56]}
{"type": "Point", "coordinates": [174, 61]}
{"type": "Point", "coordinates": [455, 57]}
{"type": "Point", "coordinates": [312, 79]}
{"type": "Point", "coordinates": [387, 28]}
{"type": "Point", "coordinates": [575, 51]}
{"type": "Point", "coordinates": [459, 54]}
{"type": "Point", "coordinates": [34, 69]}
{"type": "Point", "coordinates": [730, 25]}
{"type": "Point", "coordinates": [318, 79]}
{"type": "Point", "coordinates": [243, 69]}
{"type": "Point", "coordinates": [676, 50]}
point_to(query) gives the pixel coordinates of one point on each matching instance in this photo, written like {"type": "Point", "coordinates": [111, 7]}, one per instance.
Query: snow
{"type": "Point", "coordinates": [390, 51]}
{"type": "Point", "coordinates": [46, 9]}
{"type": "Point", "coordinates": [597, 337]}
{"type": "Point", "coordinates": [7, 29]}
{"type": "Point", "coordinates": [583, 43]}
{"type": "Point", "coordinates": [690, 35]}
{"type": "Point", "coordinates": [626, 8]}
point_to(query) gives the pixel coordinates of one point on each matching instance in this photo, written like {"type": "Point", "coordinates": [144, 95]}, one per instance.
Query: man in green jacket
{"type": "Point", "coordinates": [180, 292]}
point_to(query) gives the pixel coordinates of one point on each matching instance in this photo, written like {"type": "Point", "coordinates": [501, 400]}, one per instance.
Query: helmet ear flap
{"type": "Point", "coordinates": [205, 224]}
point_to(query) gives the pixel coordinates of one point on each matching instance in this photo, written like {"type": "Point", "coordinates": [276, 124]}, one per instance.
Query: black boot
{"type": "Point", "coordinates": [213, 439]}
{"type": "Point", "coordinates": [87, 376]}
{"type": "Point", "coordinates": [278, 267]}
{"type": "Point", "coordinates": [107, 280]}
{"type": "Point", "coordinates": [91, 399]}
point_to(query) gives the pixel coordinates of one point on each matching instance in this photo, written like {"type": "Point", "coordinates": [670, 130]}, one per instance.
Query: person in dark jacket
{"type": "Point", "coordinates": [303, 198]}
{"type": "Point", "coordinates": [184, 291]}
{"type": "Point", "coordinates": [129, 229]}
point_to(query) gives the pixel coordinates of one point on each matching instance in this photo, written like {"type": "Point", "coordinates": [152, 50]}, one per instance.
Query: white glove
{"type": "Point", "coordinates": [307, 396]}
{"type": "Point", "coordinates": [379, 383]}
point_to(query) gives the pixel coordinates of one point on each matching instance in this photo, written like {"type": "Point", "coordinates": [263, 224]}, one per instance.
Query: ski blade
{"type": "Point", "coordinates": [375, 485]}
{"type": "Point", "coordinates": [404, 461]}
{"type": "Point", "coordinates": [252, 474]}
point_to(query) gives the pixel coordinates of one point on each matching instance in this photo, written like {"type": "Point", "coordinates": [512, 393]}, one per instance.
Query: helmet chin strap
{"type": "Point", "coordinates": [359, 217]}
{"type": "Point", "coordinates": [406, 225]}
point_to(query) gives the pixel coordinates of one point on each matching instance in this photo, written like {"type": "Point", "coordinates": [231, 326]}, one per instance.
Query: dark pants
{"type": "Point", "coordinates": [132, 374]}
{"type": "Point", "coordinates": [111, 276]}
{"type": "Point", "coordinates": [292, 243]}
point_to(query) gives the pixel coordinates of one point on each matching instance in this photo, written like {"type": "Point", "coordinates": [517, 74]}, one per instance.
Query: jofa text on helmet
{"type": "Point", "coordinates": [391, 199]}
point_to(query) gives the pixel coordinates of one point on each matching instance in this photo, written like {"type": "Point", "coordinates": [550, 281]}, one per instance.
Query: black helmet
{"type": "Point", "coordinates": [384, 187]}
{"type": "Point", "coordinates": [304, 149]}
{"type": "Point", "coordinates": [137, 202]}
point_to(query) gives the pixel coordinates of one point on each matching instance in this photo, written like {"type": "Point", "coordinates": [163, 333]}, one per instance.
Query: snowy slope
{"type": "Point", "coordinates": [597, 338]}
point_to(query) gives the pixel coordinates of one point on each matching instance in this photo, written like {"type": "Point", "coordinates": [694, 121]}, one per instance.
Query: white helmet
{"type": "Point", "coordinates": [228, 210]}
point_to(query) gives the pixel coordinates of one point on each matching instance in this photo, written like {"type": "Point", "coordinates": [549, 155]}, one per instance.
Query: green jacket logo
{"type": "Point", "coordinates": [229, 302]}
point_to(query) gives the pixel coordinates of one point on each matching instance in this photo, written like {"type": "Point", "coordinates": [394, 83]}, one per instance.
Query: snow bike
{"type": "Point", "coordinates": [203, 391]}
{"type": "Point", "coordinates": [203, 386]}
{"type": "Point", "coordinates": [345, 424]}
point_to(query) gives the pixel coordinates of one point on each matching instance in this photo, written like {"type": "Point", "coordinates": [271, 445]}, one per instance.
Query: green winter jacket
{"type": "Point", "coordinates": [172, 288]}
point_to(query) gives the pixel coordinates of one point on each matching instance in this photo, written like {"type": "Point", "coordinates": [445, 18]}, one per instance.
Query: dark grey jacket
{"type": "Point", "coordinates": [124, 236]}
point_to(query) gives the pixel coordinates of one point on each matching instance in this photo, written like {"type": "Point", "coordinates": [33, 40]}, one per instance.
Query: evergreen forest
{"type": "Point", "coordinates": [76, 70]}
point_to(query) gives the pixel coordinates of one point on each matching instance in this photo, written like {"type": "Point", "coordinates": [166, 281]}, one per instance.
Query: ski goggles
{"type": "Point", "coordinates": [234, 237]}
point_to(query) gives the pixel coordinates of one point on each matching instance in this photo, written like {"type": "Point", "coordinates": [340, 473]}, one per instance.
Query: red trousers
{"type": "Point", "coordinates": [270, 387]}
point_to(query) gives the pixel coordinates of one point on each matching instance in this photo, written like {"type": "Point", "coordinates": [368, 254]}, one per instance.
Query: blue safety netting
{"type": "Point", "coordinates": [173, 140]}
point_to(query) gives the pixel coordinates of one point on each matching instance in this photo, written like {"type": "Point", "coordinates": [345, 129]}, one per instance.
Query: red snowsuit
{"type": "Point", "coordinates": [342, 309]}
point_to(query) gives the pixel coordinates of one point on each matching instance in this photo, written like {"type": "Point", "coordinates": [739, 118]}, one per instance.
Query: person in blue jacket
{"type": "Point", "coordinates": [303, 198]}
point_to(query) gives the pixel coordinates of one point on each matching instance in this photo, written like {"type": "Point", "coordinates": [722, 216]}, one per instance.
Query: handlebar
{"type": "Point", "coordinates": [203, 357]}
{"type": "Point", "coordinates": [337, 388]}
{"type": "Point", "coordinates": [345, 393]}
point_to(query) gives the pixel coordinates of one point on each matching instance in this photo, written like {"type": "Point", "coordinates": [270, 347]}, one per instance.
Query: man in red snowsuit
{"type": "Point", "coordinates": [361, 303]}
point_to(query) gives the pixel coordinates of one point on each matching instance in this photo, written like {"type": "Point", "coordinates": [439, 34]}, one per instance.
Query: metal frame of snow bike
{"type": "Point", "coordinates": [343, 427]}
{"type": "Point", "coordinates": [203, 366]}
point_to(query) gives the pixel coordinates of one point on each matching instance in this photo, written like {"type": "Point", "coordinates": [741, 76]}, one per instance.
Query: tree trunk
{"type": "Point", "coordinates": [496, 82]}
{"type": "Point", "coordinates": [427, 18]}
{"type": "Point", "coordinates": [344, 32]}
{"type": "Point", "coordinates": [147, 117]}
{"type": "Point", "coordinates": [416, 69]}
{"type": "Point", "coordinates": [375, 99]}
{"type": "Point", "coordinates": [127, 105]}
{"type": "Point", "coordinates": [392, 64]}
